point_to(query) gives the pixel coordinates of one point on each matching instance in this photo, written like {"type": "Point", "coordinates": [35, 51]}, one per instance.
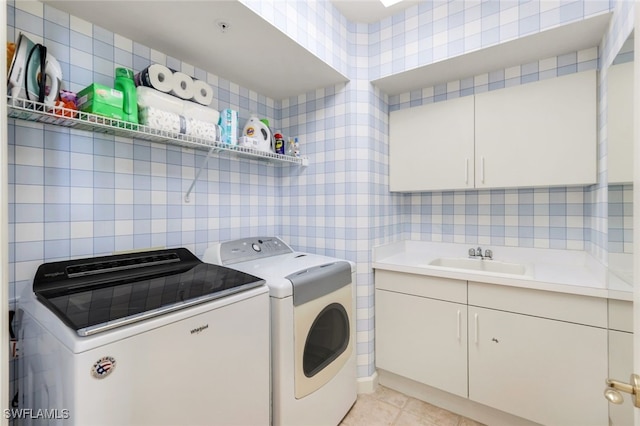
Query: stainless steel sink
{"type": "Point", "coordinates": [480, 265]}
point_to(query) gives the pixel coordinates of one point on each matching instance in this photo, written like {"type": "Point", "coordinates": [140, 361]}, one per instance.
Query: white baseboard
{"type": "Point", "coordinates": [456, 404]}
{"type": "Point", "coordinates": [368, 384]}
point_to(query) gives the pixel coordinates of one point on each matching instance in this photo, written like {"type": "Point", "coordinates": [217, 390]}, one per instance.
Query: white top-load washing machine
{"type": "Point", "coordinates": [312, 327]}
{"type": "Point", "coordinates": [150, 338]}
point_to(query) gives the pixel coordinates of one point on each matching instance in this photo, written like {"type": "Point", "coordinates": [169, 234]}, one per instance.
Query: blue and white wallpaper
{"type": "Point", "coordinates": [75, 194]}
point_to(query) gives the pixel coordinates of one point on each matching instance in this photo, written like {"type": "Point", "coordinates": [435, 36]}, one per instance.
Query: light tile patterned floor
{"type": "Point", "coordinates": [386, 407]}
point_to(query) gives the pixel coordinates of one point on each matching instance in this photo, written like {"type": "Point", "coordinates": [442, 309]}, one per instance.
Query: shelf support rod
{"type": "Point", "coordinates": [195, 179]}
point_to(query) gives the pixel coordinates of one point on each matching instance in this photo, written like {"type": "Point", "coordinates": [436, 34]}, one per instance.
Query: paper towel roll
{"type": "Point", "coordinates": [202, 93]}
{"type": "Point", "coordinates": [157, 76]}
{"type": "Point", "coordinates": [182, 86]}
{"type": "Point", "coordinates": [201, 130]}
{"type": "Point", "coordinates": [162, 120]}
{"type": "Point", "coordinates": [150, 97]}
{"type": "Point", "coordinates": [200, 112]}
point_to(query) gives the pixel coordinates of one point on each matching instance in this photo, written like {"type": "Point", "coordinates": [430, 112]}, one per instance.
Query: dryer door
{"type": "Point", "coordinates": [323, 319]}
{"type": "Point", "coordinates": [328, 337]}
{"type": "Point", "coordinates": [322, 339]}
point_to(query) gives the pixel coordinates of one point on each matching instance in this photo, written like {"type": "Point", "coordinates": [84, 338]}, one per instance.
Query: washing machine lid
{"type": "Point", "coordinates": [97, 294]}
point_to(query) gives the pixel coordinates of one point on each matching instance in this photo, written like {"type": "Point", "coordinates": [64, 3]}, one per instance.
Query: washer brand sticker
{"type": "Point", "coordinates": [103, 367]}
{"type": "Point", "coordinates": [199, 329]}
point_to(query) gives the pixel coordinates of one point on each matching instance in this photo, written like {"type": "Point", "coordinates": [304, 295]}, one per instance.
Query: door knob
{"type": "Point", "coordinates": [614, 387]}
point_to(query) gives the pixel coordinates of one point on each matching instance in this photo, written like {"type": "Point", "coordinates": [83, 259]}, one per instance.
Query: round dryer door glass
{"type": "Point", "coordinates": [327, 339]}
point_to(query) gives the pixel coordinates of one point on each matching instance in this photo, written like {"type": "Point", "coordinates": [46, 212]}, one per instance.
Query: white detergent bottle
{"type": "Point", "coordinates": [258, 130]}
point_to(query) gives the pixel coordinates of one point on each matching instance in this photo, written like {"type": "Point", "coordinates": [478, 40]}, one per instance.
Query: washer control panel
{"type": "Point", "coordinates": [246, 249]}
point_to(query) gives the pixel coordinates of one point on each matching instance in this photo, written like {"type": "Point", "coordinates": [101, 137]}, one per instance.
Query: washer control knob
{"type": "Point", "coordinates": [256, 247]}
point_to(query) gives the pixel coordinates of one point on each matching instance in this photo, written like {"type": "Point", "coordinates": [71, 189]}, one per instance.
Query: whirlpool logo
{"type": "Point", "coordinates": [200, 329]}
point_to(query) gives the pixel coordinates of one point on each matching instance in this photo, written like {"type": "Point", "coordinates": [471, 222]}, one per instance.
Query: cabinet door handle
{"type": "Point", "coordinates": [459, 323]}
{"type": "Point", "coordinates": [466, 171]}
{"type": "Point", "coordinates": [475, 328]}
{"type": "Point", "coordinates": [482, 169]}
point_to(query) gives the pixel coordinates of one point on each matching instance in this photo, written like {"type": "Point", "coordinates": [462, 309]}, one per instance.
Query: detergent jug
{"type": "Point", "coordinates": [124, 83]}
{"type": "Point", "coordinates": [255, 128]}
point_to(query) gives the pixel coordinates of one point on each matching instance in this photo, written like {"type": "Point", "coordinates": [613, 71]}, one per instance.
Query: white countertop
{"type": "Point", "coordinates": [565, 271]}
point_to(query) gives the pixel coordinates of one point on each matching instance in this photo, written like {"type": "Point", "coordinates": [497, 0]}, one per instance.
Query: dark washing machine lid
{"type": "Point", "coordinates": [93, 295]}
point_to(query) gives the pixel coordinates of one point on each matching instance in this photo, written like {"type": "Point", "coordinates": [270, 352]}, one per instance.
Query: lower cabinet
{"type": "Point", "coordinates": [539, 355]}
{"type": "Point", "coordinates": [621, 358]}
{"type": "Point", "coordinates": [423, 339]}
{"type": "Point", "coordinates": [548, 371]}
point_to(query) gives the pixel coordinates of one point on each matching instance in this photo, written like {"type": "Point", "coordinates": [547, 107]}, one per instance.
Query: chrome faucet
{"type": "Point", "coordinates": [488, 254]}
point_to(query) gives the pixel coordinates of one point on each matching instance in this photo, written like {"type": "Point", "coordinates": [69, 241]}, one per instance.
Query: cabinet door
{"type": "Point", "coordinates": [431, 146]}
{"type": "Point", "coordinates": [537, 134]}
{"type": "Point", "coordinates": [422, 339]}
{"type": "Point", "coordinates": [620, 367]}
{"type": "Point", "coordinates": [547, 371]}
{"type": "Point", "coordinates": [620, 123]}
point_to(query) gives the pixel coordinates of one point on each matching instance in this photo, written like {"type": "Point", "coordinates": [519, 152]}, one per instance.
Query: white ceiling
{"type": "Point", "coordinates": [557, 41]}
{"type": "Point", "coordinates": [369, 11]}
{"type": "Point", "coordinates": [251, 53]}
{"type": "Point", "coordinates": [254, 54]}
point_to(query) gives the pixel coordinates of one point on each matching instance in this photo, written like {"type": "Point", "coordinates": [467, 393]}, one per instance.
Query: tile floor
{"type": "Point", "coordinates": [388, 407]}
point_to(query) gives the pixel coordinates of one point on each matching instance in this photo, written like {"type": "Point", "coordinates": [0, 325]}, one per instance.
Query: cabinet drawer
{"type": "Point", "coordinates": [422, 285]}
{"type": "Point", "coordinates": [559, 306]}
{"type": "Point", "coordinates": [621, 315]}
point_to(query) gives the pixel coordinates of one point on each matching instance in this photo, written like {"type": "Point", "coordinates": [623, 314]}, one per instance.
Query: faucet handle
{"type": "Point", "coordinates": [488, 254]}
{"type": "Point", "coordinates": [472, 252]}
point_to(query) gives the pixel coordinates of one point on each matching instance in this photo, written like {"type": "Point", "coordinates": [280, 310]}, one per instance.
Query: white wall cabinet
{"type": "Point", "coordinates": [539, 355]}
{"type": "Point", "coordinates": [538, 134]}
{"type": "Point", "coordinates": [620, 123]}
{"type": "Point", "coordinates": [418, 337]}
{"type": "Point", "coordinates": [535, 134]}
{"type": "Point", "coordinates": [432, 146]}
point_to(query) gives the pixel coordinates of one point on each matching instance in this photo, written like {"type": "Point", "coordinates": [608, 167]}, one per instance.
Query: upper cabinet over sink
{"type": "Point", "coordinates": [536, 134]}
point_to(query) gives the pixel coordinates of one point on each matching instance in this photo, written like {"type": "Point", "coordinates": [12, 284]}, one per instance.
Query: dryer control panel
{"type": "Point", "coordinates": [245, 249]}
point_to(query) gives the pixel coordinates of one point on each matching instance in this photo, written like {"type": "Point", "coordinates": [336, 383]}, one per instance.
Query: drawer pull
{"type": "Point", "coordinates": [459, 323]}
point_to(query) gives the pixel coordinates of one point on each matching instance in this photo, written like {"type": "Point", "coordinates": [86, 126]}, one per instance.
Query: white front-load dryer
{"type": "Point", "coordinates": [312, 298]}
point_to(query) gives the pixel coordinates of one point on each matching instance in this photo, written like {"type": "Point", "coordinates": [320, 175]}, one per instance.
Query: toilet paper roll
{"type": "Point", "coordinates": [150, 97]}
{"type": "Point", "coordinates": [157, 76]}
{"type": "Point", "coordinates": [202, 93]}
{"type": "Point", "coordinates": [200, 112]}
{"type": "Point", "coordinates": [182, 86]}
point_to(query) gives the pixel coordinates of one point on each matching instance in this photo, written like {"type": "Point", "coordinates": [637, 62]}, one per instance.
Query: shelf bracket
{"type": "Point", "coordinates": [195, 179]}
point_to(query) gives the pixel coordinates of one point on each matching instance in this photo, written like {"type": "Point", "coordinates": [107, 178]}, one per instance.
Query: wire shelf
{"type": "Point", "coordinates": [23, 109]}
